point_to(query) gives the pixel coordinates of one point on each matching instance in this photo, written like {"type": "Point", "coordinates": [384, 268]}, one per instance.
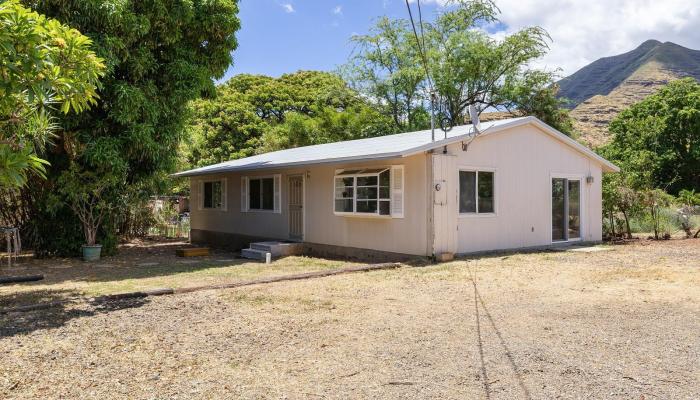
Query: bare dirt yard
{"type": "Point", "coordinates": [619, 323]}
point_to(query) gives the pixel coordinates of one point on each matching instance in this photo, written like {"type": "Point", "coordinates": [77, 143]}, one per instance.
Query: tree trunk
{"type": "Point", "coordinates": [627, 224]}
{"type": "Point", "coordinates": [612, 225]}
{"type": "Point", "coordinates": [654, 218]}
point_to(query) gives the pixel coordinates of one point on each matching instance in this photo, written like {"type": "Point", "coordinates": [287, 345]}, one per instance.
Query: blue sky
{"type": "Point", "coordinates": [280, 36]}
{"type": "Point", "coordinates": [314, 36]}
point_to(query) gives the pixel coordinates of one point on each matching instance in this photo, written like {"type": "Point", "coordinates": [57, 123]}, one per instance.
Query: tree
{"type": "Point", "coordinates": [159, 54]}
{"type": "Point", "coordinates": [689, 203]}
{"type": "Point", "coordinates": [468, 66]}
{"type": "Point", "coordinates": [387, 67]}
{"type": "Point", "coordinates": [44, 66]}
{"type": "Point", "coordinates": [461, 62]}
{"type": "Point", "coordinates": [253, 113]}
{"type": "Point", "coordinates": [654, 200]}
{"type": "Point", "coordinates": [325, 125]}
{"type": "Point", "coordinates": [618, 196]}
{"type": "Point", "coordinates": [535, 93]}
{"type": "Point", "coordinates": [87, 194]}
{"type": "Point", "coordinates": [657, 141]}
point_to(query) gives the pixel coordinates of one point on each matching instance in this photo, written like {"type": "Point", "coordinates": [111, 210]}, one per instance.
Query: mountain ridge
{"type": "Point", "coordinates": [599, 91]}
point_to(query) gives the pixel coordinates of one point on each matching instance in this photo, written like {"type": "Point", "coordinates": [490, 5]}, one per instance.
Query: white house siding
{"type": "Point", "coordinates": [524, 159]}
{"type": "Point", "coordinates": [399, 235]}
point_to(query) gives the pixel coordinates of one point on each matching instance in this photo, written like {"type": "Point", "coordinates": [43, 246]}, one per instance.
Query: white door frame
{"type": "Point", "coordinates": [582, 207]}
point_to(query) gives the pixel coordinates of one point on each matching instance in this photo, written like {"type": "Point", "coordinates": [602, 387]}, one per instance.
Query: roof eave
{"type": "Point", "coordinates": [382, 156]}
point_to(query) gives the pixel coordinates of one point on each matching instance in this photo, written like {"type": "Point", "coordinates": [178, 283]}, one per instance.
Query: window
{"type": "Point", "coordinates": [261, 194]}
{"type": "Point", "coordinates": [366, 191]}
{"type": "Point", "coordinates": [476, 192]}
{"type": "Point", "coordinates": [212, 194]}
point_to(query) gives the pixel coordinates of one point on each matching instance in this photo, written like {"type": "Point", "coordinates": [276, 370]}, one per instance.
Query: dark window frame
{"type": "Point", "coordinates": [264, 201]}
{"type": "Point", "coordinates": [478, 200]}
{"type": "Point", "coordinates": [208, 187]}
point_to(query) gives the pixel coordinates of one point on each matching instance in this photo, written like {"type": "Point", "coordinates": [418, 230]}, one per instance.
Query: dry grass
{"type": "Point", "coordinates": [612, 324]}
{"type": "Point", "coordinates": [140, 266]}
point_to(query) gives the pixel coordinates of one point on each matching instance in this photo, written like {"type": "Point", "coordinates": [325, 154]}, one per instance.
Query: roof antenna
{"type": "Point", "coordinates": [476, 124]}
{"type": "Point", "coordinates": [474, 115]}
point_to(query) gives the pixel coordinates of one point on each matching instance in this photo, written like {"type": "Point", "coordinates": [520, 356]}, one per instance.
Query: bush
{"type": "Point", "coordinates": [668, 222]}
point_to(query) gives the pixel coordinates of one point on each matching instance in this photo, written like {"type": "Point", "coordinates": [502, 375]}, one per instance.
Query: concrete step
{"type": "Point", "coordinates": [278, 249]}
{"type": "Point", "coordinates": [254, 254]}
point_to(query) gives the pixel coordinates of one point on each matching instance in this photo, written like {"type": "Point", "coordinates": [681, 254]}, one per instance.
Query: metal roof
{"type": "Point", "coordinates": [381, 147]}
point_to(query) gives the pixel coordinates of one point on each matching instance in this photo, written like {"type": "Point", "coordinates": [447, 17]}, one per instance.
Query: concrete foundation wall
{"type": "Point", "coordinates": [225, 240]}
{"type": "Point", "coordinates": [353, 253]}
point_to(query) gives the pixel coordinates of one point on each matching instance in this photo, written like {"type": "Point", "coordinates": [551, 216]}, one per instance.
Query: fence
{"type": "Point", "coordinates": [175, 229]}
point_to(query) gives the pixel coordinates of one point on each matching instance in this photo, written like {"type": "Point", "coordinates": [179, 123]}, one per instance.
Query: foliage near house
{"type": "Point", "coordinates": [255, 113]}
{"type": "Point", "coordinates": [45, 67]}
{"type": "Point", "coordinates": [656, 142]}
{"type": "Point", "coordinates": [159, 55]}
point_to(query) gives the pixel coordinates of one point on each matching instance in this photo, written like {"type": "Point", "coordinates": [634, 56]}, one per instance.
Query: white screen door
{"type": "Point", "coordinates": [296, 207]}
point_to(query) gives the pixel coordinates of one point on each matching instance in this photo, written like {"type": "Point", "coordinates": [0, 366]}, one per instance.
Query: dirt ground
{"type": "Point", "coordinates": [139, 265]}
{"type": "Point", "coordinates": [619, 323]}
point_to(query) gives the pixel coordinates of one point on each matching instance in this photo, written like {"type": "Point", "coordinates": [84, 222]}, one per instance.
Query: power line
{"type": "Point", "coordinates": [418, 42]}
{"type": "Point", "coordinates": [421, 50]}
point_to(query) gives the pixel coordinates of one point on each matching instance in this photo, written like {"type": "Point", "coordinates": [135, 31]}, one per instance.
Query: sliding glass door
{"type": "Point", "coordinates": [566, 209]}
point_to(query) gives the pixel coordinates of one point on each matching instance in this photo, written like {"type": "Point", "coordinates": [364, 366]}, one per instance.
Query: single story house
{"type": "Point", "coordinates": [507, 184]}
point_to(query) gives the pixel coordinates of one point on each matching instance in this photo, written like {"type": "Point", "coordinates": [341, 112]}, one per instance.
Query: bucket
{"type": "Point", "coordinates": [92, 253]}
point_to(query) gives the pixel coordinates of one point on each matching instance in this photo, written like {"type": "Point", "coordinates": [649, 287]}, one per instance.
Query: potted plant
{"type": "Point", "coordinates": [84, 192]}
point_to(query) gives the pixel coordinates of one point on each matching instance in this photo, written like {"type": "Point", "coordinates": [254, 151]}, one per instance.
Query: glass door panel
{"type": "Point", "coordinates": [558, 209]}
{"type": "Point", "coordinates": [574, 212]}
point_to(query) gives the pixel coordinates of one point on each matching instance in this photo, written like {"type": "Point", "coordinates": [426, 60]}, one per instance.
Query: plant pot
{"type": "Point", "coordinates": [92, 253]}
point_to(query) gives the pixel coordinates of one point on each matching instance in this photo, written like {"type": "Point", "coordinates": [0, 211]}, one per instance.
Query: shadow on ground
{"type": "Point", "coordinates": [18, 323]}
{"type": "Point", "coordinates": [132, 262]}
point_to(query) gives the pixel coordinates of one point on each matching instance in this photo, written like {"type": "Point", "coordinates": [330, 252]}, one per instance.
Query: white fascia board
{"type": "Point", "coordinates": [224, 169]}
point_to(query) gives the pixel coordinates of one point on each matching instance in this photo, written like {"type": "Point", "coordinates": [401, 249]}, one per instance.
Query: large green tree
{"type": "Point", "coordinates": [461, 62]}
{"type": "Point", "coordinates": [387, 66]}
{"type": "Point", "coordinates": [45, 67]}
{"type": "Point", "coordinates": [255, 113]}
{"type": "Point", "coordinates": [656, 142]}
{"type": "Point", "coordinates": [159, 55]}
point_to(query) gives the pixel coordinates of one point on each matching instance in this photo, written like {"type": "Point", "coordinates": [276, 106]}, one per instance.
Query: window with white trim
{"type": "Point", "coordinates": [261, 194]}
{"type": "Point", "coordinates": [212, 196]}
{"type": "Point", "coordinates": [363, 191]}
{"type": "Point", "coordinates": [476, 192]}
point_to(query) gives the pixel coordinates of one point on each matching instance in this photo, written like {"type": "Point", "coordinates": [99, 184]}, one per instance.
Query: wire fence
{"type": "Point", "coordinates": [173, 229]}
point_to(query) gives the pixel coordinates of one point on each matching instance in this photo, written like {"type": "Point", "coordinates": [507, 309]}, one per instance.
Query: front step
{"type": "Point", "coordinates": [278, 249]}
{"type": "Point", "coordinates": [254, 254]}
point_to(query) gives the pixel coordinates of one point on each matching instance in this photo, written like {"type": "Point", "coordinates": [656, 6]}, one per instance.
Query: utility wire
{"type": "Point", "coordinates": [418, 43]}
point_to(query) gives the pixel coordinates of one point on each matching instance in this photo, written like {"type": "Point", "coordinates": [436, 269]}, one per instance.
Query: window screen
{"type": "Point", "coordinates": [212, 194]}
{"type": "Point", "coordinates": [261, 194]}
{"type": "Point", "coordinates": [476, 192]}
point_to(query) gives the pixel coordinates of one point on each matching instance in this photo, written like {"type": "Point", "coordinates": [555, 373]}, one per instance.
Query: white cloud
{"type": "Point", "coordinates": [288, 8]}
{"type": "Point", "coordinates": [584, 30]}
{"type": "Point", "coordinates": [337, 10]}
